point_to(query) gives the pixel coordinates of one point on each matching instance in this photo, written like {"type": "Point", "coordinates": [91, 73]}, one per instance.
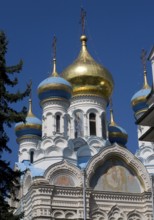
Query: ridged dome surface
{"type": "Point", "coordinates": [32, 126]}
{"type": "Point", "coordinates": [87, 76]}
{"type": "Point", "coordinates": [54, 87]}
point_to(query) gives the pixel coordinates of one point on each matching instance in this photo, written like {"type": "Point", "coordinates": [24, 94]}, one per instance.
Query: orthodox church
{"type": "Point", "coordinates": [76, 165]}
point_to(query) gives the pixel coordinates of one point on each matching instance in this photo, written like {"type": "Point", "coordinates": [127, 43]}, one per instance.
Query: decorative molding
{"type": "Point", "coordinates": [121, 196]}
{"type": "Point", "coordinates": [126, 156]}
{"type": "Point", "coordinates": [88, 99]}
{"type": "Point", "coordinates": [48, 103]}
{"type": "Point", "coordinates": [64, 167]}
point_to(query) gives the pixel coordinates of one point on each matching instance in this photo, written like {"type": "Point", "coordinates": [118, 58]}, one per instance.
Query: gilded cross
{"type": "Point", "coordinates": [30, 87]}
{"type": "Point", "coordinates": [143, 58]}
{"type": "Point", "coordinates": [83, 20]}
{"type": "Point", "coordinates": [54, 47]}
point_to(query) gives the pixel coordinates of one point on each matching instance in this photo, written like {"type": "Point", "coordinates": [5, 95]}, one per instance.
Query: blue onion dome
{"type": "Point", "coordinates": [87, 76]}
{"type": "Point", "coordinates": [54, 87]}
{"type": "Point", "coordinates": [32, 126]}
{"type": "Point", "coordinates": [116, 133]}
{"type": "Point", "coordinates": [139, 101]}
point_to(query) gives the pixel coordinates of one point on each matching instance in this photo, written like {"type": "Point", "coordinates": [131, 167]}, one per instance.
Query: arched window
{"type": "Point", "coordinates": [32, 156]}
{"type": "Point", "coordinates": [104, 126]}
{"type": "Point", "coordinates": [92, 124]}
{"type": "Point", "coordinates": [78, 124]}
{"type": "Point", "coordinates": [57, 123]}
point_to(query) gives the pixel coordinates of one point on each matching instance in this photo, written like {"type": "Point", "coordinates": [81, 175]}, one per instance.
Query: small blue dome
{"type": "Point", "coordinates": [117, 134]}
{"type": "Point", "coordinates": [54, 87]}
{"type": "Point", "coordinates": [139, 101]}
{"type": "Point", "coordinates": [32, 125]}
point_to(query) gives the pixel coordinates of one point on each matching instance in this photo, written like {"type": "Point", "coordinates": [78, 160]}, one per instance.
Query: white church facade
{"type": "Point", "coordinates": [77, 166]}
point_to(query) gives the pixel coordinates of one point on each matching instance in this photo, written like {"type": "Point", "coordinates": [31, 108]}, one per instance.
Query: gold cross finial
{"type": "Point", "coordinates": [83, 20]}
{"type": "Point", "coordinates": [30, 114]}
{"type": "Point", "coordinates": [144, 59]}
{"type": "Point", "coordinates": [54, 46]}
{"type": "Point", "coordinates": [30, 87]}
{"type": "Point", "coordinates": [54, 72]}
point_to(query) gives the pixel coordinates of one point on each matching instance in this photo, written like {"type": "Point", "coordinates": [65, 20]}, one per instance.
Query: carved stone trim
{"type": "Point", "coordinates": [124, 154]}
{"type": "Point", "coordinates": [62, 167]}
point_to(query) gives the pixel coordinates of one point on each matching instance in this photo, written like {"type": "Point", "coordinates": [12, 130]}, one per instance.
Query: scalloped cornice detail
{"type": "Point", "coordinates": [49, 103]}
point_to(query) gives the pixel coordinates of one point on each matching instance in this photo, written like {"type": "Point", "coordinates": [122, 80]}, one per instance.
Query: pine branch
{"type": "Point", "coordinates": [16, 68]}
{"type": "Point", "coordinates": [18, 96]}
{"type": "Point", "coordinates": [9, 179]}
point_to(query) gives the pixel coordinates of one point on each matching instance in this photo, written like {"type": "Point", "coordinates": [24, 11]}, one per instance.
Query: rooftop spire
{"type": "Point", "coordinates": [112, 122]}
{"type": "Point", "coordinates": [83, 37]}
{"type": "Point", "coordinates": [83, 21]}
{"type": "Point", "coordinates": [144, 60]}
{"type": "Point", "coordinates": [30, 114]}
{"type": "Point", "coordinates": [54, 72]}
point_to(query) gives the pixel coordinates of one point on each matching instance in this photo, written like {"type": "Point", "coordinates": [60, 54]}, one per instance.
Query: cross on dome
{"type": "Point", "coordinates": [54, 72]}
{"type": "Point", "coordinates": [83, 20]}
{"type": "Point", "coordinates": [144, 60]}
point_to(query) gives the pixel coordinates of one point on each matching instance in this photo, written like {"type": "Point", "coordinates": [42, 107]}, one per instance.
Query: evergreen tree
{"type": "Point", "coordinates": [9, 179]}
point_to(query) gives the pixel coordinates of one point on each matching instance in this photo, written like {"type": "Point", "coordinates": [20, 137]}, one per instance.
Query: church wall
{"type": "Point", "coordinates": [49, 202]}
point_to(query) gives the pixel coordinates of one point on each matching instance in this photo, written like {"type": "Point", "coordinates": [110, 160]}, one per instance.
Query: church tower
{"type": "Point", "coordinates": [81, 168]}
{"type": "Point", "coordinates": [145, 153]}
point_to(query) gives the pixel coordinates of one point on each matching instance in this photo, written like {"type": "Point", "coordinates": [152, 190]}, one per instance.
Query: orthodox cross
{"type": "Point", "coordinates": [83, 19]}
{"type": "Point", "coordinates": [143, 58]}
{"type": "Point", "coordinates": [30, 88]}
{"type": "Point", "coordinates": [54, 47]}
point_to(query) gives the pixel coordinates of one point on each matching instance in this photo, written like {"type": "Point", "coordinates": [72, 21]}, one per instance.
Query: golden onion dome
{"type": "Point", "coordinates": [88, 77]}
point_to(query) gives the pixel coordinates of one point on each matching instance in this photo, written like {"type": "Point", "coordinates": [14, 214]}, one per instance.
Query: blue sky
{"type": "Point", "coordinates": [117, 31]}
